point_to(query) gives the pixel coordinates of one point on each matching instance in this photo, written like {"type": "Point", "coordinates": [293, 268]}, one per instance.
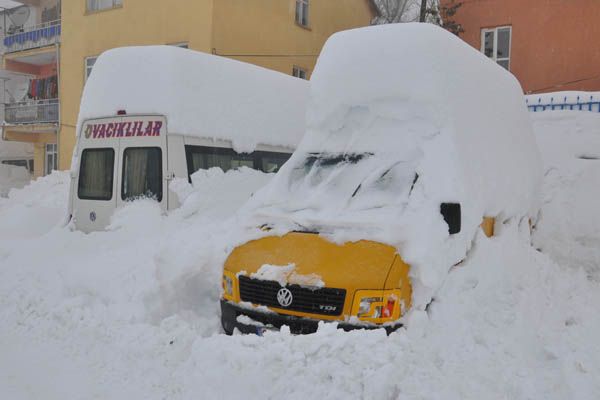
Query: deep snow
{"type": "Point", "coordinates": [132, 312]}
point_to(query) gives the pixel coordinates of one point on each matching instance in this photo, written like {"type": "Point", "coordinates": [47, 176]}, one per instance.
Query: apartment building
{"type": "Point", "coordinates": [31, 33]}
{"type": "Point", "coordinates": [549, 45]}
{"type": "Point", "coordinates": [50, 47]}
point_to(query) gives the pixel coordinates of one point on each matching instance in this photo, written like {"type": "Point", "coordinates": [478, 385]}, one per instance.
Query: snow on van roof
{"type": "Point", "coordinates": [403, 118]}
{"type": "Point", "coordinates": [200, 94]}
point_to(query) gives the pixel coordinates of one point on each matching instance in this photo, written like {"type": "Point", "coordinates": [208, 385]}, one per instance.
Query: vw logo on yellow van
{"type": "Point", "coordinates": [284, 297]}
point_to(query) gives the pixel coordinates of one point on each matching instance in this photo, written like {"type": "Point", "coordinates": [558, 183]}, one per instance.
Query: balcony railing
{"type": "Point", "coordinates": [32, 37]}
{"type": "Point", "coordinates": [32, 112]}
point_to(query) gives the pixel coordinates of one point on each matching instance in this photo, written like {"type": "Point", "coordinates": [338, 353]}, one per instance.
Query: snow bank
{"type": "Point", "coordinates": [12, 177]}
{"type": "Point", "coordinates": [569, 224]}
{"type": "Point", "coordinates": [133, 312]}
{"type": "Point", "coordinates": [13, 150]}
{"type": "Point", "coordinates": [395, 130]}
{"type": "Point", "coordinates": [35, 209]}
{"type": "Point", "coordinates": [200, 94]}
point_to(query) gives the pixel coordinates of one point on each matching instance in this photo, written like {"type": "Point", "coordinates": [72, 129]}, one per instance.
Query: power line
{"type": "Point", "coordinates": [565, 83]}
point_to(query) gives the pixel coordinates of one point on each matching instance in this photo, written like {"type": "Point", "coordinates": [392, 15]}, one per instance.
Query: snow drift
{"type": "Point", "coordinates": [394, 131]}
{"type": "Point", "coordinates": [569, 227]}
{"type": "Point", "coordinates": [12, 177]}
{"type": "Point", "coordinates": [200, 94]}
{"type": "Point", "coordinates": [133, 312]}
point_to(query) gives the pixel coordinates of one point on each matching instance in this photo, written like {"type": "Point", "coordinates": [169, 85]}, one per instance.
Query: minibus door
{"type": "Point", "coordinates": [94, 183]}
{"type": "Point", "coordinates": [143, 161]}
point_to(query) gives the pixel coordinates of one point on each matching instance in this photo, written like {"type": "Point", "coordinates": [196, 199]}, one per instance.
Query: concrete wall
{"type": "Point", "coordinates": [554, 42]}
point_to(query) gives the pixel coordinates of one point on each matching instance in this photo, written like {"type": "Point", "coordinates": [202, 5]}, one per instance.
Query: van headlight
{"type": "Point", "coordinates": [368, 303]}
{"type": "Point", "coordinates": [377, 306]}
{"type": "Point", "coordinates": [227, 285]}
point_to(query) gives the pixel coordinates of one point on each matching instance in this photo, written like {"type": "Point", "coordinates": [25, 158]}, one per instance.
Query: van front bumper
{"type": "Point", "coordinates": [230, 312]}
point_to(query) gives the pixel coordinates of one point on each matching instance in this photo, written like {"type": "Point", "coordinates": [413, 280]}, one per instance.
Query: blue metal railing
{"type": "Point", "coordinates": [32, 37]}
{"type": "Point", "coordinates": [580, 104]}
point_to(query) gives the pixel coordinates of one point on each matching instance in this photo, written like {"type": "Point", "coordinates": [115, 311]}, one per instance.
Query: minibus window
{"type": "Point", "coordinates": [142, 173]}
{"type": "Point", "coordinates": [203, 157]}
{"type": "Point", "coordinates": [96, 174]}
{"type": "Point", "coordinates": [271, 162]}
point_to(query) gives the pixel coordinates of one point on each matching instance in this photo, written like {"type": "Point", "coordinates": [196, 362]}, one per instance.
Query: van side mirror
{"type": "Point", "coordinates": [451, 214]}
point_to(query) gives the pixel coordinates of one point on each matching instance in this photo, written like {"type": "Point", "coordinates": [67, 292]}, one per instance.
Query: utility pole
{"type": "Point", "coordinates": [423, 13]}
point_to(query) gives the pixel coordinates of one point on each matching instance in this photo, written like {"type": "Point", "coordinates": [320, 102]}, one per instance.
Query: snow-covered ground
{"type": "Point", "coordinates": [133, 312]}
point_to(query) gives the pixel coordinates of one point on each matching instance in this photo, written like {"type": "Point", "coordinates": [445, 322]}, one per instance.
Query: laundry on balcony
{"type": "Point", "coordinates": [44, 88]}
{"type": "Point", "coordinates": [32, 36]}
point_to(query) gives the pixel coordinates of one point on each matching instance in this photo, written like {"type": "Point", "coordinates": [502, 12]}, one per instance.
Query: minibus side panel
{"type": "Point", "coordinates": [177, 166]}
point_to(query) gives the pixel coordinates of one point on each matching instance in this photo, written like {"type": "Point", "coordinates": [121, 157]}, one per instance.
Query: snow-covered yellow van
{"type": "Point", "coordinates": [415, 144]}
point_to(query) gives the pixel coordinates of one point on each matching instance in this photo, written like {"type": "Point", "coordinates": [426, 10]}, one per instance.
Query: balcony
{"type": "Point", "coordinates": [34, 112]}
{"type": "Point", "coordinates": [32, 37]}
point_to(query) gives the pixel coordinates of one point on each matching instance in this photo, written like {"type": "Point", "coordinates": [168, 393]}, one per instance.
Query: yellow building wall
{"type": "Point", "coordinates": [39, 159]}
{"type": "Point", "coordinates": [137, 22]}
{"type": "Point", "coordinates": [262, 32]}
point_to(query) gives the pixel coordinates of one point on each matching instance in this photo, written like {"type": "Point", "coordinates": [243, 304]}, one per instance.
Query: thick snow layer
{"type": "Point", "coordinates": [200, 94]}
{"type": "Point", "coordinates": [569, 227]}
{"type": "Point", "coordinates": [285, 274]}
{"type": "Point", "coordinates": [15, 150]}
{"type": "Point", "coordinates": [12, 177]}
{"type": "Point", "coordinates": [35, 209]}
{"type": "Point", "coordinates": [393, 131]}
{"type": "Point", "coordinates": [133, 312]}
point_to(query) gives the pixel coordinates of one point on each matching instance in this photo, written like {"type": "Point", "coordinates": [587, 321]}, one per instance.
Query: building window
{"type": "Point", "coordinates": [302, 12]}
{"type": "Point", "coordinates": [97, 5]}
{"type": "Point", "coordinates": [495, 43]}
{"type": "Point", "coordinates": [299, 72]}
{"type": "Point", "coordinates": [89, 64]}
{"type": "Point", "coordinates": [51, 158]}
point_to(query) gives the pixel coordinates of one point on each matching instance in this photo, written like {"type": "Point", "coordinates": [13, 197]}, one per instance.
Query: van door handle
{"type": "Point", "coordinates": [170, 176]}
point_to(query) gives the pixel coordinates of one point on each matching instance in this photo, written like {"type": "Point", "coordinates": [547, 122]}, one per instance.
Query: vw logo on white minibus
{"type": "Point", "coordinates": [284, 297]}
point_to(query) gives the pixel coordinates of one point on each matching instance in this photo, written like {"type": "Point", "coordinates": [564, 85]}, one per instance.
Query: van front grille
{"type": "Point", "coordinates": [324, 301]}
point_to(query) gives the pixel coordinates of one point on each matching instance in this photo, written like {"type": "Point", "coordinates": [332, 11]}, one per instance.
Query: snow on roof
{"type": "Point", "coordinates": [403, 118]}
{"type": "Point", "coordinates": [200, 94]}
{"type": "Point", "coordinates": [15, 149]}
